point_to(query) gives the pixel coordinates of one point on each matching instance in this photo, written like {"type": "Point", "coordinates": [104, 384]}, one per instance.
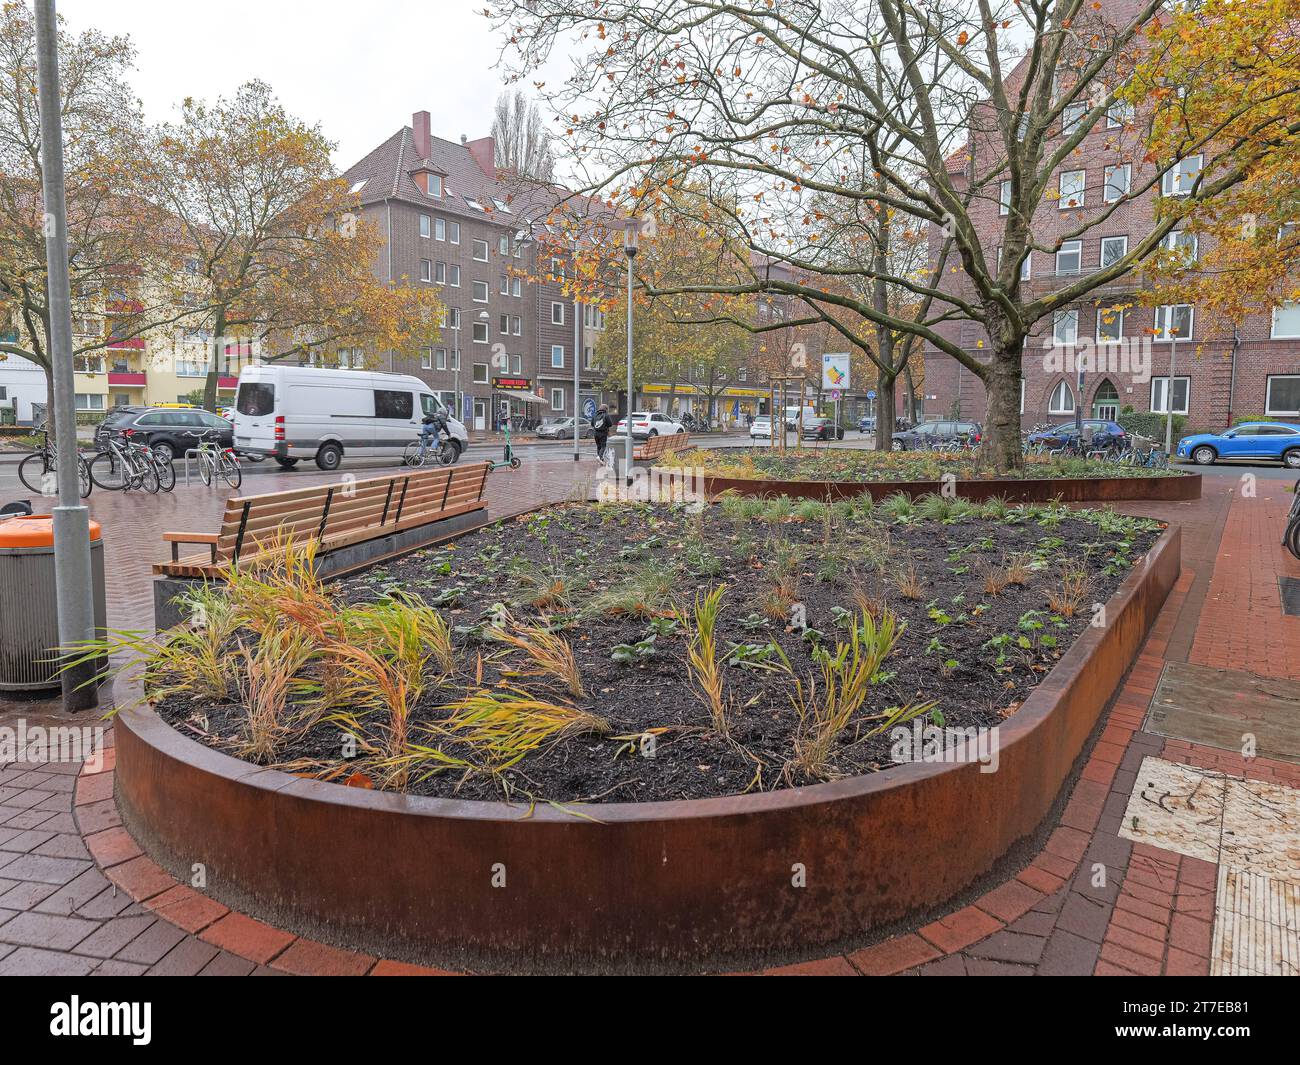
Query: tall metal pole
{"type": "Point", "coordinates": [72, 573]}
{"type": "Point", "coordinates": [629, 249]}
{"type": "Point", "coordinates": [577, 341]}
{"type": "Point", "coordinates": [1169, 387]}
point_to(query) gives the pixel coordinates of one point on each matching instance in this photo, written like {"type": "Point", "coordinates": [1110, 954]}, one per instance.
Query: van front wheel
{"type": "Point", "coordinates": [329, 457]}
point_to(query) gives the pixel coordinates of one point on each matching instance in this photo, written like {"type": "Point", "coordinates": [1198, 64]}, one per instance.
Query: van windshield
{"type": "Point", "coordinates": [255, 399]}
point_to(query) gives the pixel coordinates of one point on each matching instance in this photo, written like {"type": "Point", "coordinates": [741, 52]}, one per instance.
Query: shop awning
{"type": "Point", "coordinates": [522, 397]}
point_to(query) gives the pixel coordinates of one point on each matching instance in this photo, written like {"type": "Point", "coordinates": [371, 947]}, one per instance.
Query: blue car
{"type": "Point", "coordinates": [1269, 441]}
{"type": "Point", "coordinates": [1059, 435]}
{"type": "Point", "coordinates": [867, 424]}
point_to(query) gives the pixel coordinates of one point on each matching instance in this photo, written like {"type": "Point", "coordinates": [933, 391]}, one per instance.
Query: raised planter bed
{"type": "Point", "coordinates": [1184, 486]}
{"type": "Point", "coordinates": [673, 884]}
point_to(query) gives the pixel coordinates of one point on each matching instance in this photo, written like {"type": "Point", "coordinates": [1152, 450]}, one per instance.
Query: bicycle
{"type": "Point", "coordinates": [34, 471]}
{"type": "Point", "coordinates": [122, 465]}
{"type": "Point", "coordinates": [217, 461]}
{"type": "Point", "coordinates": [421, 450]}
{"type": "Point", "coordinates": [1291, 536]}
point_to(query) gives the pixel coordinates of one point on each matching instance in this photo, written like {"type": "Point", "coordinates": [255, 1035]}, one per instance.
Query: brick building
{"type": "Point", "coordinates": [1223, 371]}
{"type": "Point", "coordinates": [452, 221]}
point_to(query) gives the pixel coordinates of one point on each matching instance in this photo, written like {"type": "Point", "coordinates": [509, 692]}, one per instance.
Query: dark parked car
{"type": "Point", "coordinates": [867, 423]}
{"type": "Point", "coordinates": [928, 433]}
{"type": "Point", "coordinates": [821, 429]}
{"type": "Point", "coordinates": [170, 431]}
{"type": "Point", "coordinates": [1104, 432]}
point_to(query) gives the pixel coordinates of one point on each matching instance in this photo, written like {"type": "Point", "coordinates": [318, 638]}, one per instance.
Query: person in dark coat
{"type": "Point", "coordinates": [601, 424]}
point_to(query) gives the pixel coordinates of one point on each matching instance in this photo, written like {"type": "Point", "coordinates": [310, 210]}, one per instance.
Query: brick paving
{"type": "Point", "coordinates": [78, 897]}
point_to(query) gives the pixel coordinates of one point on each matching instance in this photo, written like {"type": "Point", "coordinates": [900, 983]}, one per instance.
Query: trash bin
{"type": "Point", "coordinates": [29, 623]}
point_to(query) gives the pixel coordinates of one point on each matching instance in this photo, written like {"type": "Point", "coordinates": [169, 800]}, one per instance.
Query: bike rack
{"type": "Point", "coordinates": [192, 453]}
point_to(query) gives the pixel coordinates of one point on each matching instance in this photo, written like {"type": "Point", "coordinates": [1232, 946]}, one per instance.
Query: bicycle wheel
{"type": "Point", "coordinates": [149, 478]}
{"type": "Point", "coordinates": [413, 456]}
{"type": "Point", "coordinates": [84, 483]}
{"type": "Point", "coordinates": [33, 471]}
{"type": "Point", "coordinates": [229, 469]}
{"type": "Point", "coordinates": [205, 466]}
{"type": "Point", "coordinates": [166, 474]}
{"type": "Point", "coordinates": [1292, 538]}
{"type": "Point", "coordinates": [109, 472]}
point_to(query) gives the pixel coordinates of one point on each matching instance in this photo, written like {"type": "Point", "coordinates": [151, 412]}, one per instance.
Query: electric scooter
{"type": "Point", "coordinates": [510, 459]}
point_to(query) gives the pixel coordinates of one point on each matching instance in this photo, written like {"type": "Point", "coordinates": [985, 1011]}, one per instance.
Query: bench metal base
{"type": "Point", "coordinates": [333, 564]}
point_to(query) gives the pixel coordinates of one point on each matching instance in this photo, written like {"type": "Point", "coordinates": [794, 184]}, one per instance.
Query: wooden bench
{"type": "Point", "coordinates": [656, 446]}
{"type": "Point", "coordinates": [338, 515]}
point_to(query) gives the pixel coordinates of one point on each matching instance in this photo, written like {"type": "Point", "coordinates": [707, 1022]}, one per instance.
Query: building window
{"type": "Point", "coordinates": [589, 360]}
{"type": "Point", "coordinates": [516, 325]}
{"type": "Point", "coordinates": [426, 226]}
{"type": "Point", "coordinates": [1071, 116]}
{"type": "Point", "coordinates": [1179, 178]}
{"type": "Point", "coordinates": [480, 373]}
{"type": "Point", "coordinates": [1160, 394]}
{"type": "Point", "coordinates": [453, 275]}
{"type": "Point", "coordinates": [1004, 198]}
{"type": "Point", "coordinates": [1118, 114]}
{"type": "Point", "coordinates": [455, 359]}
{"type": "Point", "coordinates": [1117, 181]}
{"type": "Point", "coordinates": [557, 399]}
{"type": "Point", "coordinates": [505, 285]}
{"type": "Point", "coordinates": [440, 229]}
{"type": "Point", "coordinates": [426, 358]}
{"type": "Point", "coordinates": [1110, 325]}
{"type": "Point", "coordinates": [503, 244]}
{"type": "Point", "coordinates": [454, 232]}
{"type": "Point", "coordinates": [440, 358]}
{"type": "Point", "coordinates": [1069, 257]}
{"type": "Point", "coordinates": [503, 324]}
{"type": "Point", "coordinates": [440, 273]}
{"type": "Point", "coordinates": [89, 400]}
{"type": "Point", "coordinates": [480, 332]}
{"type": "Point", "coordinates": [557, 356]}
{"type": "Point", "coordinates": [453, 317]}
{"type": "Point", "coordinates": [479, 250]}
{"type": "Point", "coordinates": [557, 314]}
{"type": "Point", "coordinates": [1072, 185]}
{"type": "Point", "coordinates": [1282, 396]}
{"type": "Point", "coordinates": [1062, 401]}
{"type": "Point", "coordinates": [435, 186]}
{"type": "Point", "coordinates": [516, 286]}
{"type": "Point", "coordinates": [1174, 321]}
{"type": "Point", "coordinates": [1286, 321]}
{"type": "Point", "coordinates": [426, 270]}
{"type": "Point", "coordinates": [480, 291]}
{"type": "Point", "coordinates": [1113, 249]}
{"type": "Point", "coordinates": [1065, 328]}
{"type": "Point", "coordinates": [516, 364]}
{"type": "Point", "coordinates": [1182, 244]}
{"type": "Point", "coordinates": [593, 317]}
{"type": "Point", "coordinates": [557, 269]}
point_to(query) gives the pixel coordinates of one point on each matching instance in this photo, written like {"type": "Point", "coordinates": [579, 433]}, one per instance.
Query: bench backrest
{"type": "Point", "coordinates": [349, 510]}
{"type": "Point", "coordinates": [659, 445]}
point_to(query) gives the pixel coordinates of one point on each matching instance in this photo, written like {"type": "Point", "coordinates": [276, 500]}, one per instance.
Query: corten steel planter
{"type": "Point", "coordinates": [1184, 486]}
{"type": "Point", "coordinates": [628, 886]}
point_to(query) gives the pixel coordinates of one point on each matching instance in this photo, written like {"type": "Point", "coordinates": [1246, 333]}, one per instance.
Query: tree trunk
{"type": "Point", "coordinates": [909, 400]}
{"type": "Point", "coordinates": [885, 419]}
{"type": "Point", "coordinates": [49, 402]}
{"type": "Point", "coordinates": [1001, 443]}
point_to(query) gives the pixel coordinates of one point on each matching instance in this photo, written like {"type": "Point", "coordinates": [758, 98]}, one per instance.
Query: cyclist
{"type": "Point", "coordinates": [432, 428]}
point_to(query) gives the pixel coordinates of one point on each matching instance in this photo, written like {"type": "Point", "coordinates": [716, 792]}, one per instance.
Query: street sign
{"type": "Point", "coordinates": [588, 408]}
{"type": "Point", "coordinates": [871, 394]}
{"type": "Point", "coordinates": [835, 370]}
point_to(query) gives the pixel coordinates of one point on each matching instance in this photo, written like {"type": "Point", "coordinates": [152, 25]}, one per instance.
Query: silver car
{"type": "Point", "coordinates": [563, 427]}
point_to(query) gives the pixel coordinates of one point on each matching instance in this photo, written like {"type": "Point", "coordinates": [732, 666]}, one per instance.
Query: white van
{"type": "Point", "coordinates": [298, 412]}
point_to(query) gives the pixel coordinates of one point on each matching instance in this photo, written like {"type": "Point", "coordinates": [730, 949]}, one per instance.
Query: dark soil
{"type": "Point", "coordinates": [978, 655]}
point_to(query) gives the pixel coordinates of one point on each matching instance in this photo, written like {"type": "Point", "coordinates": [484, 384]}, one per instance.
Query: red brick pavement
{"type": "Point", "coordinates": [1088, 902]}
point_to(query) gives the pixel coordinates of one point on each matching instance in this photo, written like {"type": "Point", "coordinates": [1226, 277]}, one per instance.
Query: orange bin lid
{"type": "Point", "coordinates": [34, 531]}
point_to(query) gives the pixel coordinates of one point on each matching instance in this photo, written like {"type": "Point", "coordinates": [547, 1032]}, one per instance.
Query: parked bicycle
{"type": "Point", "coordinates": [217, 461]}
{"type": "Point", "coordinates": [1291, 537]}
{"type": "Point", "coordinates": [123, 465]}
{"type": "Point", "coordinates": [36, 469]}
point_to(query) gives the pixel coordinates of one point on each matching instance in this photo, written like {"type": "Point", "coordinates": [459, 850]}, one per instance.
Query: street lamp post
{"type": "Point", "coordinates": [1169, 387]}
{"type": "Point", "coordinates": [577, 341]}
{"type": "Point", "coordinates": [72, 573]}
{"type": "Point", "coordinates": [631, 242]}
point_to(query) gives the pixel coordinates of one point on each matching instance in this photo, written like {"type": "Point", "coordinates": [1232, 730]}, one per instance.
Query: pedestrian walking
{"type": "Point", "coordinates": [601, 424]}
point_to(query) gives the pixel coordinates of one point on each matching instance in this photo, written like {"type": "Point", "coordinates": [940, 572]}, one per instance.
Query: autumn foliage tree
{"type": "Point", "coordinates": [276, 253]}
{"type": "Point", "coordinates": [116, 237]}
{"type": "Point", "coordinates": [957, 116]}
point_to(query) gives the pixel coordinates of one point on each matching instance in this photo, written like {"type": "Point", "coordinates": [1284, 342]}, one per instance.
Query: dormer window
{"type": "Point", "coordinates": [435, 185]}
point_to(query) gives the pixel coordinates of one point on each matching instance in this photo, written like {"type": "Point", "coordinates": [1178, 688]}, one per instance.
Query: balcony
{"type": "Point", "coordinates": [124, 306]}
{"type": "Point", "coordinates": [127, 378]}
{"type": "Point", "coordinates": [227, 382]}
{"type": "Point", "coordinates": [129, 344]}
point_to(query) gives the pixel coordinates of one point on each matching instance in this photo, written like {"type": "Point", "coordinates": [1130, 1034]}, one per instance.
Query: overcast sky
{"type": "Point", "coordinates": [359, 69]}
